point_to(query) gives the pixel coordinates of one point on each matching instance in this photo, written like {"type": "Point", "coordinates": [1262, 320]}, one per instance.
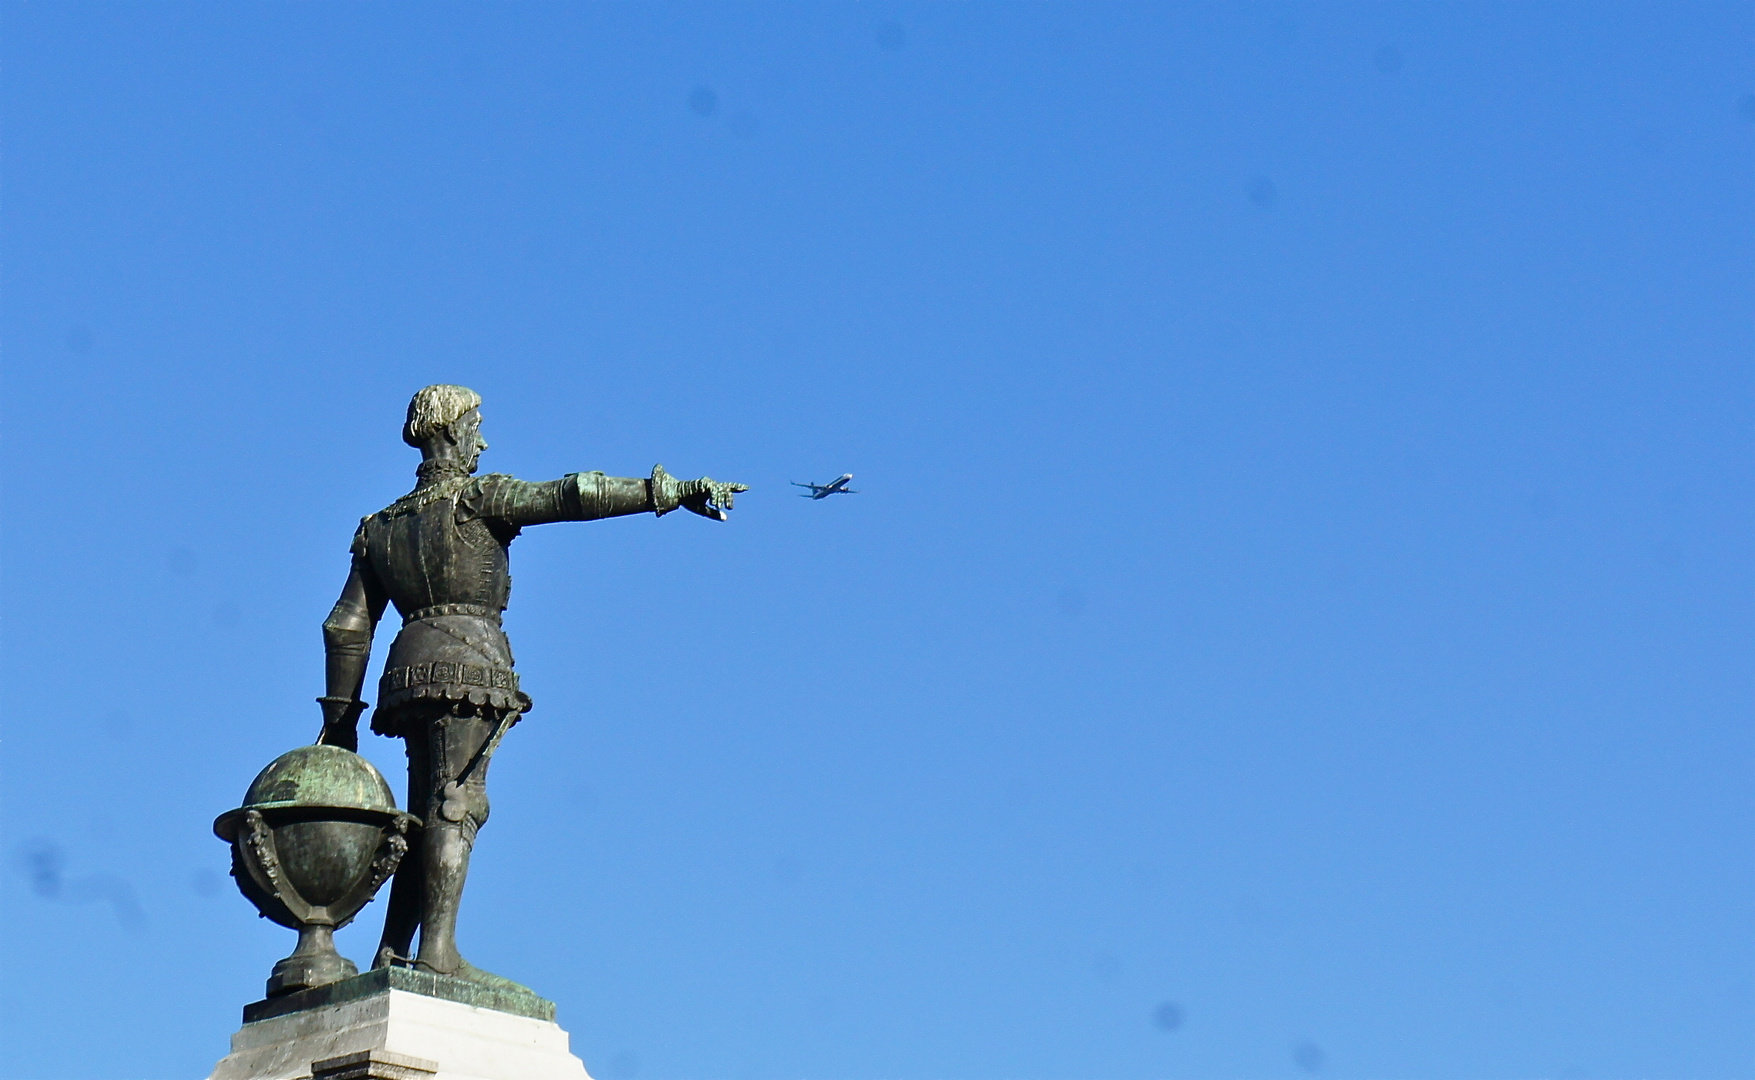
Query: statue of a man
{"type": "Point", "coordinates": [448, 690]}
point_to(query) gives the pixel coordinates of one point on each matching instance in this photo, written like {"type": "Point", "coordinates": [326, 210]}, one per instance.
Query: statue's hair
{"type": "Point", "coordinates": [435, 408]}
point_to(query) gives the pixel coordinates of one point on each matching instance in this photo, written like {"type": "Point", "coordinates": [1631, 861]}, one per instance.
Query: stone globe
{"type": "Point", "coordinates": [317, 834]}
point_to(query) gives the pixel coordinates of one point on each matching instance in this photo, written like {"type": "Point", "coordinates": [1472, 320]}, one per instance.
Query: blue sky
{"type": "Point", "coordinates": [1295, 622]}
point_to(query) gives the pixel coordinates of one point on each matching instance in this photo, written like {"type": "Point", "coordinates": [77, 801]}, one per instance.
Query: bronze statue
{"type": "Point", "coordinates": [448, 689]}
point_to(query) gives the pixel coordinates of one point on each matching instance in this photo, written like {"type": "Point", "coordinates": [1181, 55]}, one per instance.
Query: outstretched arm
{"type": "Point", "coordinates": [347, 648]}
{"type": "Point", "coordinates": [592, 495]}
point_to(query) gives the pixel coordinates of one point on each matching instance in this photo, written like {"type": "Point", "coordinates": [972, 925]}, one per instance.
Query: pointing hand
{"type": "Point", "coordinates": [706, 496]}
{"type": "Point", "coordinates": [711, 498]}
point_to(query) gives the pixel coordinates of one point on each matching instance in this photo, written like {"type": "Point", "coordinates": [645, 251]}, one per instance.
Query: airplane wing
{"type": "Point", "coordinates": [818, 491]}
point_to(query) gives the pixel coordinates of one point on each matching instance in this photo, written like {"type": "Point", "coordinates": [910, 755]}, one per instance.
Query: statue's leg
{"type": "Point", "coordinates": [408, 887]}
{"type": "Point", "coordinates": [402, 917]}
{"type": "Point", "coordinates": [446, 849]}
{"type": "Point", "coordinates": [458, 812]}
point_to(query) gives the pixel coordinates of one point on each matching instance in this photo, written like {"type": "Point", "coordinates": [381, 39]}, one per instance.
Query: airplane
{"type": "Point", "coordinates": [837, 486]}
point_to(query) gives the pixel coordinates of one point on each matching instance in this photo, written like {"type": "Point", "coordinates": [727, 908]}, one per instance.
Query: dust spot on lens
{"type": "Point", "coordinates": [624, 1066]}
{"type": "Point", "coordinates": [206, 883]}
{"type": "Point", "coordinates": [891, 36]}
{"type": "Point", "coordinates": [1262, 192]}
{"type": "Point", "coordinates": [1308, 1056]}
{"type": "Point", "coordinates": [1387, 59]}
{"type": "Point", "coordinates": [1168, 1016]}
{"type": "Point", "coordinates": [703, 101]}
{"type": "Point", "coordinates": [43, 867]}
{"type": "Point", "coordinates": [114, 891]}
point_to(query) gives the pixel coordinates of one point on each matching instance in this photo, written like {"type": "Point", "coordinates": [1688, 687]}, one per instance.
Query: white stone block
{"type": "Point", "coordinates": [467, 1042]}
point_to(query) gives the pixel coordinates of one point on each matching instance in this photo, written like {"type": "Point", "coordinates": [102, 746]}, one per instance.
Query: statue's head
{"type": "Point", "coordinates": [444, 421]}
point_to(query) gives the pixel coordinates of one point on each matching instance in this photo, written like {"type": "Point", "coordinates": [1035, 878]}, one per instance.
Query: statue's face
{"type": "Point", "coordinates": [470, 444]}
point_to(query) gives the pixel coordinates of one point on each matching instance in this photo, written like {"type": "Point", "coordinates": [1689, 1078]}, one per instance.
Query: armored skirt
{"type": "Point", "coordinates": [447, 663]}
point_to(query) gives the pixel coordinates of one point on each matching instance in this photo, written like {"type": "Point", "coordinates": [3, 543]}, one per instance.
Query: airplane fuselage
{"type": "Point", "coordinates": [837, 486]}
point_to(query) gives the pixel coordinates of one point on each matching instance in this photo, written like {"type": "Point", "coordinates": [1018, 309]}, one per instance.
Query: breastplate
{"type": "Point", "coordinates": [429, 549]}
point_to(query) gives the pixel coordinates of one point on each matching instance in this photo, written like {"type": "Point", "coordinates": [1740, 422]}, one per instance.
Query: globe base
{"type": "Point", "coordinates": [314, 963]}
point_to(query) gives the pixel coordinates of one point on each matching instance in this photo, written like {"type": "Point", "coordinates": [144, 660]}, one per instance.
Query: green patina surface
{"type": "Point", "coordinates": [384, 980]}
{"type": "Point", "coordinates": [320, 776]}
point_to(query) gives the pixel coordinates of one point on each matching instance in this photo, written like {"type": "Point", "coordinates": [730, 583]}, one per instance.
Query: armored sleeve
{"type": "Point", "coordinates": [347, 632]}
{"type": "Point", "coordinates": [576, 497]}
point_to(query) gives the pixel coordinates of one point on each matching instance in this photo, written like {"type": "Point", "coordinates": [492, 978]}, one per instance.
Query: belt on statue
{"type": "Point", "coordinates": [444, 672]}
{"type": "Point", "coordinates": [480, 611]}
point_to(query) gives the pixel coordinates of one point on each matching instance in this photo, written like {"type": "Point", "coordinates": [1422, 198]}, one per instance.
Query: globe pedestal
{"type": "Point", "coordinates": [314, 963]}
{"type": "Point", "coordinates": [400, 1024]}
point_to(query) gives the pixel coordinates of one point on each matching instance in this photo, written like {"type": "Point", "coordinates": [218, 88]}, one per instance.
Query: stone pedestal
{"type": "Point", "coordinates": [400, 1024]}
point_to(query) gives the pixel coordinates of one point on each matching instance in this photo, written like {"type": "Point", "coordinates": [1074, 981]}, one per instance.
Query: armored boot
{"type": "Point", "coordinates": [445, 853]}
